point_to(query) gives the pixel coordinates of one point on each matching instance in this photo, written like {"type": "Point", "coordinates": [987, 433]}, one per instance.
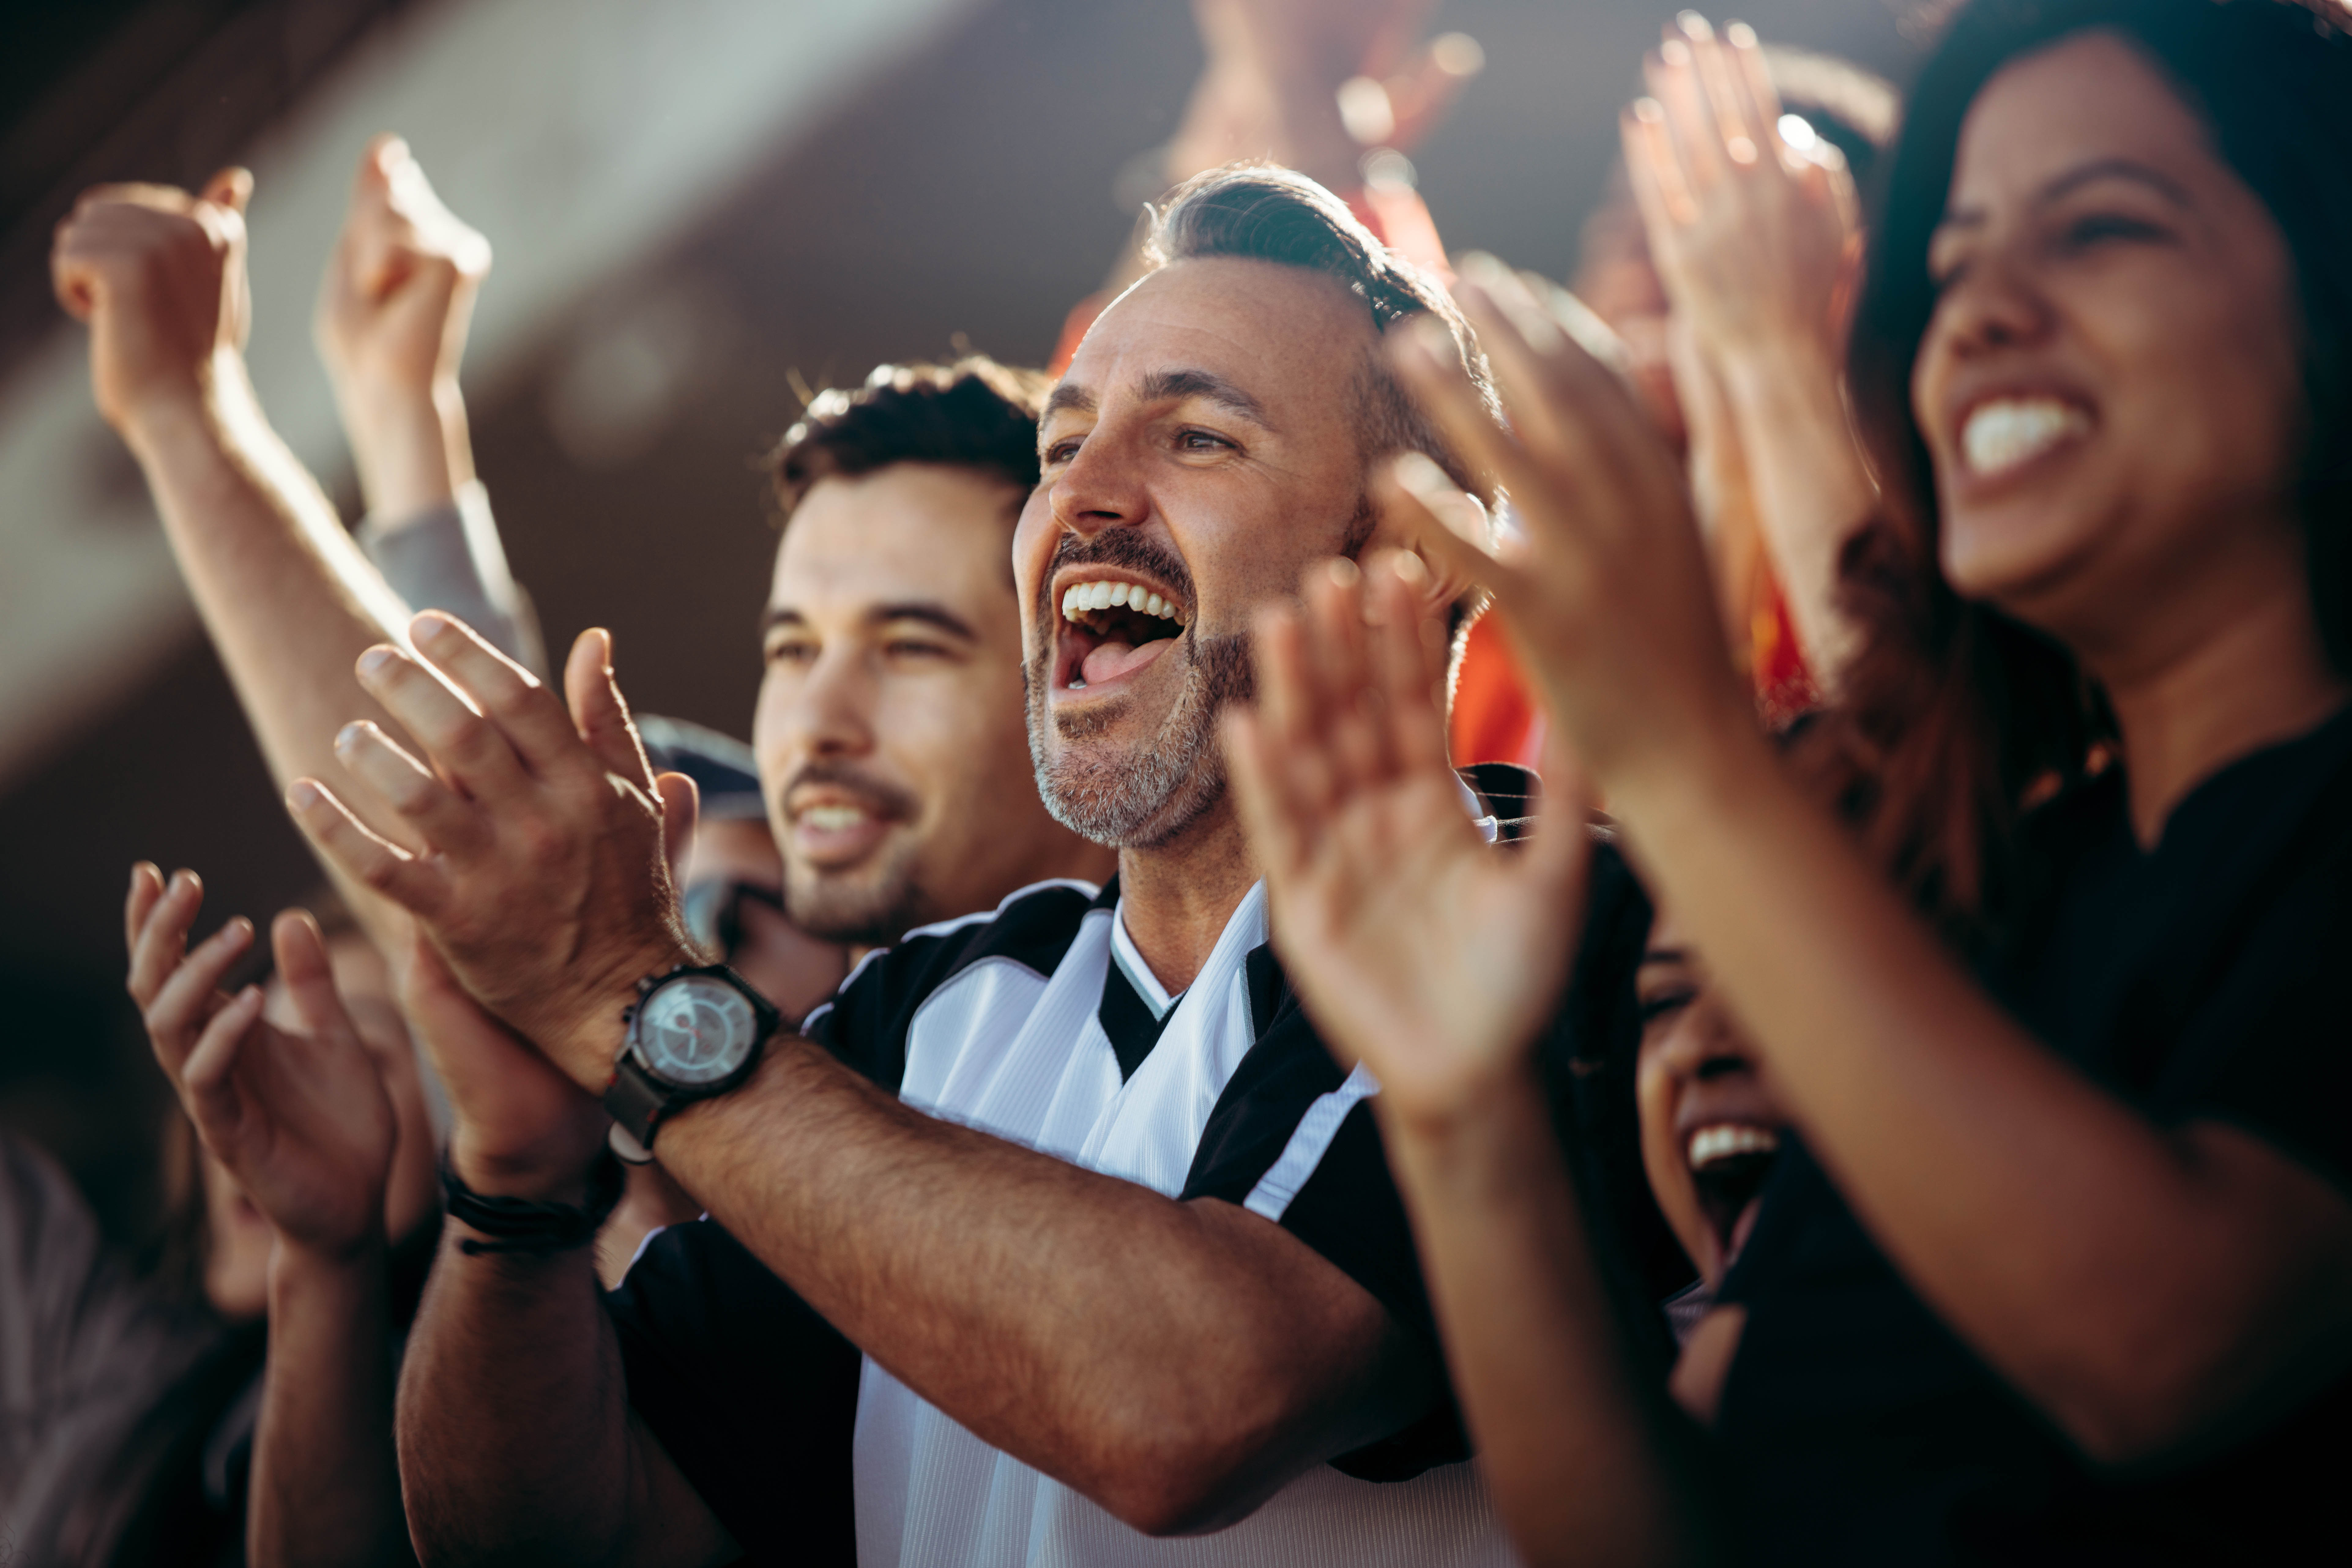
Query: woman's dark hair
{"type": "Point", "coordinates": [974, 413]}
{"type": "Point", "coordinates": [1958, 714]}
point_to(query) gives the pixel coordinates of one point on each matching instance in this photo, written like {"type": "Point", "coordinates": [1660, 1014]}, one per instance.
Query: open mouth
{"type": "Point", "coordinates": [1111, 627]}
{"type": "Point", "coordinates": [1729, 1162]}
{"type": "Point", "coordinates": [828, 826]}
{"type": "Point", "coordinates": [2001, 434]}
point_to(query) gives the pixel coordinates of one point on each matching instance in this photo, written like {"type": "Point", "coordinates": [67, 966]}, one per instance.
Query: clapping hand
{"type": "Point", "coordinates": [1610, 604]}
{"type": "Point", "coordinates": [1427, 953]}
{"type": "Point", "coordinates": [544, 887]}
{"type": "Point", "coordinates": [1752, 237]}
{"type": "Point", "coordinates": [301, 1120]}
{"type": "Point", "coordinates": [390, 324]}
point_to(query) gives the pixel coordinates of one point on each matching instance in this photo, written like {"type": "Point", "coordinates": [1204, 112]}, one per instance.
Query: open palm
{"type": "Point", "coordinates": [1419, 948]}
{"type": "Point", "coordinates": [300, 1119]}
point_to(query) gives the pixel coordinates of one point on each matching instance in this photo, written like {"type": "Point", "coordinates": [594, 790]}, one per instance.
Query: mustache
{"type": "Point", "coordinates": [887, 800]}
{"type": "Point", "coordinates": [1125, 547]}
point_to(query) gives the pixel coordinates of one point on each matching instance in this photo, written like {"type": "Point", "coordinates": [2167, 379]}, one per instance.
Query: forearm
{"type": "Point", "coordinates": [1808, 481]}
{"type": "Point", "coordinates": [514, 1431]}
{"type": "Point", "coordinates": [288, 599]}
{"type": "Point", "coordinates": [2105, 1266]}
{"type": "Point", "coordinates": [326, 1488]}
{"type": "Point", "coordinates": [1579, 1460]}
{"type": "Point", "coordinates": [412, 445]}
{"type": "Point", "coordinates": [1136, 1348]}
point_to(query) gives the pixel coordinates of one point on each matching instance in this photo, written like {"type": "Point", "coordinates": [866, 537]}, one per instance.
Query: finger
{"type": "Point", "coordinates": [1296, 725]}
{"type": "Point", "coordinates": [1270, 818]}
{"type": "Point", "coordinates": [525, 711]}
{"type": "Point", "coordinates": [146, 890]}
{"type": "Point", "coordinates": [165, 937]}
{"type": "Point", "coordinates": [1401, 646]}
{"type": "Point", "coordinates": [467, 749]}
{"type": "Point", "coordinates": [1418, 510]}
{"type": "Point", "coordinates": [447, 821]}
{"type": "Point", "coordinates": [1425, 358]}
{"type": "Point", "coordinates": [206, 1078]}
{"type": "Point", "coordinates": [310, 976]}
{"type": "Point", "coordinates": [1660, 192]}
{"type": "Point", "coordinates": [1591, 422]}
{"type": "Point", "coordinates": [1335, 649]}
{"type": "Point", "coordinates": [184, 1000]}
{"type": "Point", "coordinates": [599, 711]}
{"type": "Point", "coordinates": [417, 886]}
{"type": "Point", "coordinates": [1696, 136]}
{"type": "Point", "coordinates": [1745, 141]}
{"type": "Point", "coordinates": [231, 188]}
{"type": "Point", "coordinates": [1751, 84]}
{"type": "Point", "coordinates": [1533, 347]}
{"type": "Point", "coordinates": [1559, 850]}
{"type": "Point", "coordinates": [681, 808]}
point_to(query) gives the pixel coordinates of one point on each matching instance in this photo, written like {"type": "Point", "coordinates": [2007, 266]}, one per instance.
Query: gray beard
{"type": "Point", "coordinates": [1143, 800]}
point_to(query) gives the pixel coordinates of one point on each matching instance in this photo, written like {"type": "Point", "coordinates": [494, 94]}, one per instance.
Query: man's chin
{"type": "Point", "coordinates": [854, 909]}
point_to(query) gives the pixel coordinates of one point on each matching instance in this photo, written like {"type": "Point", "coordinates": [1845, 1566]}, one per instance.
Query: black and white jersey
{"type": "Point", "coordinates": [1041, 1024]}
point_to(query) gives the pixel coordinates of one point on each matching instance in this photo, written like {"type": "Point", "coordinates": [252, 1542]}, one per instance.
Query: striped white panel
{"type": "Point", "coordinates": [1271, 1197]}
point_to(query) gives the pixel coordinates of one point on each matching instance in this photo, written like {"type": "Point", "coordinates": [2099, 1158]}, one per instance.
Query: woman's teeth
{"type": "Point", "coordinates": [2001, 434]}
{"type": "Point", "coordinates": [1712, 1145]}
{"type": "Point", "coordinates": [831, 818]}
{"type": "Point", "coordinates": [1081, 597]}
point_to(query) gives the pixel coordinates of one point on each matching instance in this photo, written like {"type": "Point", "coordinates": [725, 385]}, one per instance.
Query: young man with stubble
{"type": "Point", "coordinates": [1113, 1233]}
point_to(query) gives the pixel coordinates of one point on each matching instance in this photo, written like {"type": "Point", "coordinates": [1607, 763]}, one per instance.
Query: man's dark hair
{"type": "Point", "coordinates": [1257, 212]}
{"type": "Point", "coordinates": [974, 413]}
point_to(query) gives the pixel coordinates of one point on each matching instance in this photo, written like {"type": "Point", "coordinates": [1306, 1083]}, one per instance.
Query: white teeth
{"type": "Point", "coordinates": [1081, 598]}
{"type": "Point", "coordinates": [831, 818]}
{"type": "Point", "coordinates": [1711, 1145]}
{"type": "Point", "coordinates": [2008, 431]}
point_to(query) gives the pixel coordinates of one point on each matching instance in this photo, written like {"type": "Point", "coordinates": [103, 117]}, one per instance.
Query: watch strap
{"type": "Point", "coordinates": [635, 1102]}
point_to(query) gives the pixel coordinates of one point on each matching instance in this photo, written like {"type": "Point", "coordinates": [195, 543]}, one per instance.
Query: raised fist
{"type": "Point", "coordinates": [391, 325]}
{"type": "Point", "coordinates": [159, 276]}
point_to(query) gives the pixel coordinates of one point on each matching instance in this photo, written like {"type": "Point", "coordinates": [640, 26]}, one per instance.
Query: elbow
{"type": "Point", "coordinates": [1175, 1479]}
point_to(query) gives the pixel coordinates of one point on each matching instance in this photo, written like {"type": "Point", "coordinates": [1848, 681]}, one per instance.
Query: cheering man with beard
{"type": "Point", "coordinates": [1113, 1235]}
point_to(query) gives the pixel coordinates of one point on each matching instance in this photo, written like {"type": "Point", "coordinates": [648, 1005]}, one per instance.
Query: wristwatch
{"type": "Point", "coordinates": [694, 1032]}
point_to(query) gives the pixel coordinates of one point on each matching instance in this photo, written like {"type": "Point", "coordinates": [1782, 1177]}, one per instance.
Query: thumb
{"type": "Point", "coordinates": [232, 188]}
{"type": "Point", "coordinates": [599, 712]}
{"type": "Point", "coordinates": [681, 804]}
{"type": "Point", "coordinates": [310, 977]}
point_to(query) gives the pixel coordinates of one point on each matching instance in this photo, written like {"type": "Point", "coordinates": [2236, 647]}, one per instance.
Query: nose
{"type": "Point", "coordinates": [1705, 1045]}
{"type": "Point", "coordinates": [1993, 306]}
{"type": "Point", "coordinates": [1102, 487]}
{"type": "Point", "coordinates": [830, 714]}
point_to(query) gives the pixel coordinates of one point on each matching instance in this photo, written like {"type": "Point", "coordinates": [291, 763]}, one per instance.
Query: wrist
{"type": "Point", "coordinates": [1476, 1144]}
{"type": "Point", "coordinates": [585, 1044]}
{"type": "Point", "coordinates": [307, 1264]}
{"type": "Point", "coordinates": [1766, 365]}
{"type": "Point", "coordinates": [401, 445]}
{"type": "Point", "coordinates": [551, 1169]}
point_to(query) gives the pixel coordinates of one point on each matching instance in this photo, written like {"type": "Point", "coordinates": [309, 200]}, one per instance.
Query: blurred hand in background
{"type": "Point", "coordinates": [391, 324]}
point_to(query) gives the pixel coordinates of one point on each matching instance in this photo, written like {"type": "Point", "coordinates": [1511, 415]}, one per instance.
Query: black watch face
{"type": "Point", "coordinates": [695, 1030]}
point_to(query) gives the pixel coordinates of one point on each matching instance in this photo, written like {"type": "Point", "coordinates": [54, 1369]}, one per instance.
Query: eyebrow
{"type": "Point", "coordinates": [1168, 386]}
{"type": "Point", "coordinates": [2075, 179]}
{"type": "Point", "coordinates": [928, 612]}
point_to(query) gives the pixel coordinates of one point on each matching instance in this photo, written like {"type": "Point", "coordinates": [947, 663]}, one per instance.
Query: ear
{"type": "Point", "coordinates": [1446, 581]}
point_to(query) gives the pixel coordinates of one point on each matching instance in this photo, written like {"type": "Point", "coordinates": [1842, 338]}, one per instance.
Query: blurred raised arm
{"type": "Point", "coordinates": [160, 278]}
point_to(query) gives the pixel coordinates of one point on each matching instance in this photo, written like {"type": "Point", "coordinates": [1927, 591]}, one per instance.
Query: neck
{"type": "Point", "coordinates": [1177, 897]}
{"type": "Point", "coordinates": [2253, 674]}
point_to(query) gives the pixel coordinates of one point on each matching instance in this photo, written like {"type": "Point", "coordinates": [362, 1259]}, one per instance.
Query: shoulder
{"type": "Point", "coordinates": [866, 1023]}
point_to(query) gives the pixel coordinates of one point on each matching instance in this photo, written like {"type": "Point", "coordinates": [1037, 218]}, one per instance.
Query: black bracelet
{"type": "Point", "coordinates": [522, 1225]}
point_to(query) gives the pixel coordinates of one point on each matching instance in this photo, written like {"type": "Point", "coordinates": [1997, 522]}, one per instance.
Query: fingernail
{"type": "Point", "coordinates": [236, 932]}
{"type": "Point", "coordinates": [1422, 477]}
{"type": "Point", "coordinates": [1343, 572]}
{"type": "Point", "coordinates": [429, 628]}
{"type": "Point", "coordinates": [348, 736]}
{"type": "Point", "coordinates": [1675, 53]}
{"type": "Point", "coordinates": [302, 794]}
{"type": "Point", "coordinates": [375, 659]}
{"type": "Point", "coordinates": [1740, 36]}
{"type": "Point", "coordinates": [1649, 111]}
{"type": "Point", "coordinates": [1694, 25]}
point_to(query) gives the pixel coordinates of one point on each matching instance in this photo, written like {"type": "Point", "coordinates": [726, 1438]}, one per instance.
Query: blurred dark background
{"type": "Point", "coordinates": [959, 194]}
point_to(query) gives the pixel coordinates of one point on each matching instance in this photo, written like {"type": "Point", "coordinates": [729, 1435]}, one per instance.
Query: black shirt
{"type": "Point", "coordinates": [2203, 980]}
